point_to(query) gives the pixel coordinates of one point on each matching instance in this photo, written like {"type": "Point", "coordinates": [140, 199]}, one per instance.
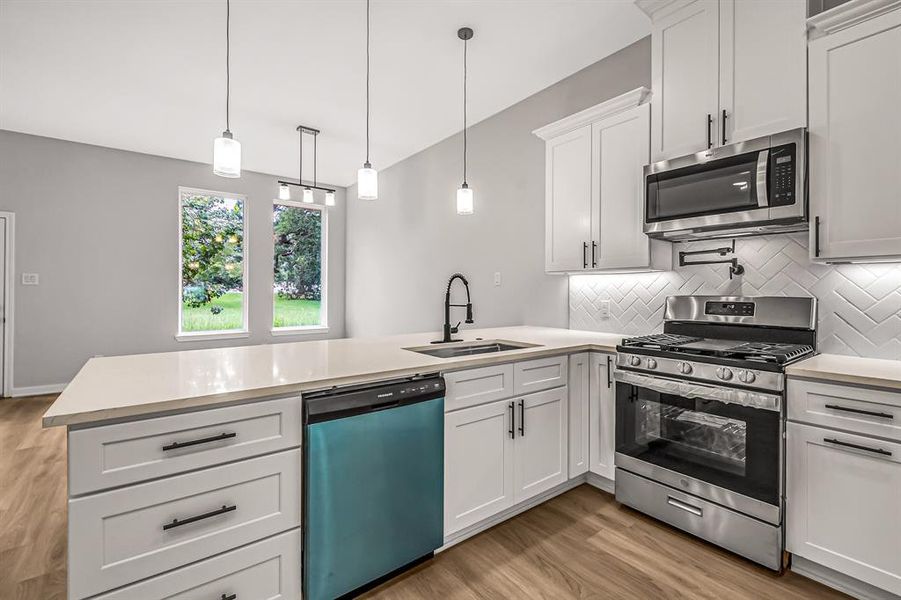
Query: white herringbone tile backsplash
{"type": "Point", "coordinates": [859, 305]}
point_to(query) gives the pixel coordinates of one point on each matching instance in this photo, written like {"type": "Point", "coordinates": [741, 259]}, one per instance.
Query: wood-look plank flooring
{"type": "Point", "coordinates": [579, 545]}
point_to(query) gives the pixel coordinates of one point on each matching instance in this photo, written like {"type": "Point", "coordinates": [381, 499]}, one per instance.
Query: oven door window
{"type": "Point", "coordinates": [721, 186]}
{"type": "Point", "coordinates": [727, 445]}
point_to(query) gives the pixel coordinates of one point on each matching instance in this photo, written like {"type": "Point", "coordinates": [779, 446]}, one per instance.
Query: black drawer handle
{"type": "Point", "coordinates": [609, 371]}
{"type": "Point", "coordinates": [213, 513]}
{"type": "Point", "coordinates": [871, 413]}
{"type": "Point", "coordinates": [512, 430]}
{"type": "Point", "coordinates": [214, 438]}
{"type": "Point", "coordinates": [858, 446]}
{"type": "Point", "coordinates": [229, 597]}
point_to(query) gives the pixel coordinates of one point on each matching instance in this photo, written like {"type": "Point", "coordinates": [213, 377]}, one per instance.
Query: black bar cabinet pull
{"type": "Point", "coordinates": [229, 597]}
{"type": "Point", "coordinates": [584, 255]}
{"type": "Point", "coordinates": [522, 417]}
{"type": "Point", "coordinates": [214, 438]}
{"type": "Point", "coordinates": [858, 446]}
{"type": "Point", "coordinates": [594, 254]}
{"type": "Point", "coordinates": [213, 513]}
{"type": "Point", "coordinates": [609, 374]}
{"type": "Point", "coordinates": [859, 411]}
{"type": "Point", "coordinates": [816, 236]}
{"type": "Point", "coordinates": [723, 126]}
{"type": "Point", "coordinates": [512, 430]}
{"type": "Point", "coordinates": [709, 131]}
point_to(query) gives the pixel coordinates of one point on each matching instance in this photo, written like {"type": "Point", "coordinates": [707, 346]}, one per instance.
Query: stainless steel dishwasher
{"type": "Point", "coordinates": [373, 483]}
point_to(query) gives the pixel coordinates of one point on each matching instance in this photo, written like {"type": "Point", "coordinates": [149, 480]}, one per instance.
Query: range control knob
{"type": "Point", "coordinates": [685, 368]}
{"type": "Point", "coordinates": [724, 373]}
{"type": "Point", "coordinates": [746, 376]}
{"type": "Point", "coordinates": [634, 361]}
{"type": "Point", "coordinates": [652, 364]}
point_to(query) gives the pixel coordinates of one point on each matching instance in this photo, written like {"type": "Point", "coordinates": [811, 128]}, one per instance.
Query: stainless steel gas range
{"type": "Point", "coordinates": [700, 418]}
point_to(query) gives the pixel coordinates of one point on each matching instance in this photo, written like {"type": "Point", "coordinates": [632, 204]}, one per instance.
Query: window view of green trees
{"type": "Point", "coordinates": [297, 282]}
{"type": "Point", "coordinates": [212, 273]}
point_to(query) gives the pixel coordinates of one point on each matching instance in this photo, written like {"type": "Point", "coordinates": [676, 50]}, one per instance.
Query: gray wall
{"type": "Point", "coordinates": [100, 227]}
{"type": "Point", "coordinates": [403, 247]}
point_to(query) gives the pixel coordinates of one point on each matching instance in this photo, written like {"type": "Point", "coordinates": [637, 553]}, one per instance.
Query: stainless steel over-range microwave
{"type": "Point", "coordinates": [750, 188]}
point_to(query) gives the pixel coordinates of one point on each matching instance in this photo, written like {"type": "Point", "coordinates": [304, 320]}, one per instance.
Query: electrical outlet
{"type": "Point", "coordinates": [30, 279]}
{"type": "Point", "coordinates": [604, 311]}
{"type": "Point", "coordinates": [497, 278]}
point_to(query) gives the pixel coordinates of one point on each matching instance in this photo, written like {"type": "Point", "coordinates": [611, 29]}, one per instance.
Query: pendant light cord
{"type": "Point", "coordinates": [227, 60]}
{"type": "Point", "coordinates": [465, 45]}
{"type": "Point", "coordinates": [367, 83]}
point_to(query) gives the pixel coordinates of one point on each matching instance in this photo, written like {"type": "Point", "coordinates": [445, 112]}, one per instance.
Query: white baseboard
{"type": "Point", "coordinates": [463, 534]}
{"type": "Point", "coordinates": [38, 390]}
{"type": "Point", "coordinates": [602, 483]}
{"type": "Point", "coordinates": [839, 581]}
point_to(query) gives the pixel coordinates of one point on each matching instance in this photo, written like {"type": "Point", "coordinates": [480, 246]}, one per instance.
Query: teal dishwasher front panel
{"type": "Point", "coordinates": [374, 495]}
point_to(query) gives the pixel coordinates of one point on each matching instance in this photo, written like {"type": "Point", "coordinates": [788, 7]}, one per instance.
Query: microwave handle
{"type": "Point", "coordinates": [762, 166]}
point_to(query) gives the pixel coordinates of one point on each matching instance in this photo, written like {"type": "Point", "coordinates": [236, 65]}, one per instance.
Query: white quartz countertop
{"type": "Point", "coordinates": [835, 368]}
{"type": "Point", "coordinates": [117, 387]}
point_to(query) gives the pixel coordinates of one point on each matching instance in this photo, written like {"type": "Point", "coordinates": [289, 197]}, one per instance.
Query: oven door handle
{"type": "Point", "coordinates": [762, 165]}
{"type": "Point", "coordinates": [693, 389]}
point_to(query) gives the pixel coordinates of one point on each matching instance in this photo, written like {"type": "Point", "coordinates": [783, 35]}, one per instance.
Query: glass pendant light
{"type": "Point", "coordinates": [226, 149]}
{"type": "Point", "coordinates": [284, 192]}
{"type": "Point", "coordinates": [307, 196]}
{"type": "Point", "coordinates": [367, 177]}
{"type": "Point", "coordinates": [330, 198]}
{"type": "Point", "coordinates": [465, 205]}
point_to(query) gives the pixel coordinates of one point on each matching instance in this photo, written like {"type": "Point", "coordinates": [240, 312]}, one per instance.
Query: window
{"type": "Point", "coordinates": [299, 262]}
{"type": "Point", "coordinates": [213, 274]}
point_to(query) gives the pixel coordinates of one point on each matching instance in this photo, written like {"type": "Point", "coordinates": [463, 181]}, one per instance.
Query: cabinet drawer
{"type": "Point", "coordinates": [126, 453]}
{"type": "Point", "coordinates": [125, 535]}
{"type": "Point", "coordinates": [870, 412]}
{"type": "Point", "coordinates": [540, 374]}
{"type": "Point", "coordinates": [478, 386]}
{"type": "Point", "coordinates": [269, 569]}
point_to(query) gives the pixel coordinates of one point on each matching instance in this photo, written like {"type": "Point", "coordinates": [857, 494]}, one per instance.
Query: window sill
{"type": "Point", "coordinates": [201, 336]}
{"type": "Point", "coordinates": [280, 331]}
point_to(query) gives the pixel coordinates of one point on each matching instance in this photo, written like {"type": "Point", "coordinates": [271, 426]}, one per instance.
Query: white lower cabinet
{"type": "Point", "coordinates": [499, 454]}
{"type": "Point", "coordinates": [842, 499]}
{"type": "Point", "coordinates": [267, 569]}
{"type": "Point", "coordinates": [601, 415]}
{"type": "Point", "coordinates": [579, 378]}
{"type": "Point", "coordinates": [478, 463]}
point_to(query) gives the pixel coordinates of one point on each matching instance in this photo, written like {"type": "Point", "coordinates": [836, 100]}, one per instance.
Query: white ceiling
{"type": "Point", "coordinates": [149, 75]}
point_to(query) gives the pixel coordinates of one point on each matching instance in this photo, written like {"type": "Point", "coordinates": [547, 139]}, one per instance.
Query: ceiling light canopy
{"type": "Point", "coordinates": [465, 204]}
{"type": "Point", "coordinates": [226, 149]}
{"type": "Point", "coordinates": [367, 177]}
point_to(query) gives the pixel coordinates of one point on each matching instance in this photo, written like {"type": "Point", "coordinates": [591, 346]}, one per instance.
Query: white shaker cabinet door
{"type": "Point", "coordinates": [684, 75]}
{"type": "Point", "coordinates": [602, 415]}
{"type": "Point", "coordinates": [541, 443]}
{"type": "Point", "coordinates": [855, 154]}
{"type": "Point", "coordinates": [842, 503]}
{"type": "Point", "coordinates": [620, 149]}
{"type": "Point", "coordinates": [579, 378]}
{"type": "Point", "coordinates": [568, 200]}
{"type": "Point", "coordinates": [763, 68]}
{"type": "Point", "coordinates": [478, 463]}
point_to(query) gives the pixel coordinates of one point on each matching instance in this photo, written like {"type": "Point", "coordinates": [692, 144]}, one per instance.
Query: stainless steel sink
{"type": "Point", "coordinates": [455, 349]}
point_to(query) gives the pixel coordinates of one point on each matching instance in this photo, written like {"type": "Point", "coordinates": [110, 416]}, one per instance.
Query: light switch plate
{"type": "Point", "coordinates": [30, 279]}
{"type": "Point", "coordinates": [497, 278]}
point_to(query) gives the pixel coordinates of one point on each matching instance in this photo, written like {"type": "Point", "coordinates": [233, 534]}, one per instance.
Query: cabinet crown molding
{"type": "Point", "coordinates": [594, 113]}
{"type": "Point", "coordinates": [848, 14]}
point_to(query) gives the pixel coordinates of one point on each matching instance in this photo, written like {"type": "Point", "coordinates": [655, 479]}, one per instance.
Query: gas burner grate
{"type": "Point", "coordinates": [779, 353]}
{"type": "Point", "coordinates": [660, 340]}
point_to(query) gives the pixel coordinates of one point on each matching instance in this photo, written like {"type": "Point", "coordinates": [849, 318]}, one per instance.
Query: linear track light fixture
{"type": "Point", "coordinates": [284, 186]}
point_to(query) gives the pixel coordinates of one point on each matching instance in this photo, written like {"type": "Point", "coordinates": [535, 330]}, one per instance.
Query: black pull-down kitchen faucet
{"type": "Point", "coordinates": [448, 330]}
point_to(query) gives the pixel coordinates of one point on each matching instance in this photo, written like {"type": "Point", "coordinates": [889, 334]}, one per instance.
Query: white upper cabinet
{"type": "Point", "coordinates": [763, 68]}
{"type": "Point", "coordinates": [684, 79]}
{"type": "Point", "coordinates": [568, 200]}
{"type": "Point", "coordinates": [724, 71]}
{"type": "Point", "coordinates": [855, 155]}
{"type": "Point", "coordinates": [594, 181]}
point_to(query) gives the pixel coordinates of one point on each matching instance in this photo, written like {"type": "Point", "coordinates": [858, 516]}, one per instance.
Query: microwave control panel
{"type": "Point", "coordinates": [782, 175]}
